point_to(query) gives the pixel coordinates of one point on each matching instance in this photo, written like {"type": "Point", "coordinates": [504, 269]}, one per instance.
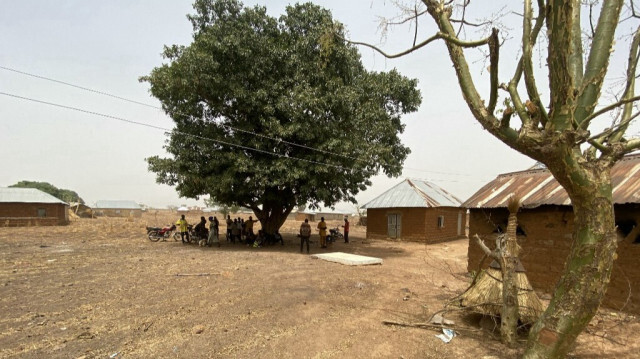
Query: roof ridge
{"type": "Point", "coordinates": [430, 202]}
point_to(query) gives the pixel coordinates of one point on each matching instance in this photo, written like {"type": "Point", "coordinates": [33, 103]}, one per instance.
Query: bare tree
{"type": "Point", "coordinates": [558, 134]}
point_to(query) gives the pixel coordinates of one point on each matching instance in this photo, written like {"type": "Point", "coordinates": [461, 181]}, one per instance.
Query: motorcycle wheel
{"type": "Point", "coordinates": [154, 236]}
{"type": "Point", "coordinates": [176, 236]}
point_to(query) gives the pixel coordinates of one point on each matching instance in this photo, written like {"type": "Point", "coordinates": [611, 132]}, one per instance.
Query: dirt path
{"type": "Point", "coordinates": [100, 289]}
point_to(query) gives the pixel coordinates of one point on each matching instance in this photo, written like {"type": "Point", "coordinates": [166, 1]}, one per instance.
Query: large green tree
{"type": "Point", "coordinates": [553, 122]}
{"type": "Point", "coordinates": [274, 113]}
{"type": "Point", "coordinates": [60, 193]}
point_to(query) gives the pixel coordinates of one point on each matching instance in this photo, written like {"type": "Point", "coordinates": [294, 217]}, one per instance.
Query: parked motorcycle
{"type": "Point", "coordinates": [194, 236]}
{"type": "Point", "coordinates": [334, 235]}
{"type": "Point", "coordinates": [156, 233]}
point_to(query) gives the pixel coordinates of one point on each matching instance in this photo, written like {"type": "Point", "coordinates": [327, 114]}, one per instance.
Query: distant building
{"type": "Point", "coordinates": [117, 209]}
{"type": "Point", "coordinates": [31, 207]}
{"type": "Point", "coordinates": [415, 210]}
{"type": "Point", "coordinates": [546, 224]}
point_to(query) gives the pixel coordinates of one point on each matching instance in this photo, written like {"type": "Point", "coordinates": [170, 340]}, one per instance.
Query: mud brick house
{"type": "Point", "coordinates": [31, 207]}
{"type": "Point", "coordinates": [545, 226]}
{"type": "Point", "coordinates": [117, 209]}
{"type": "Point", "coordinates": [415, 210]}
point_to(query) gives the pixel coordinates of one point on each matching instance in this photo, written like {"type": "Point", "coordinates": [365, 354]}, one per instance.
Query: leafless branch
{"type": "Point", "coordinates": [606, 109]}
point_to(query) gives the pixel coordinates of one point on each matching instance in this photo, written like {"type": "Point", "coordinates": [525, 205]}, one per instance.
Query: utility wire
{"type": "Point", "coordinates": [160, 108]}
{"type": "Point", "coordinates": [221, 124]}
{"type": "Point", "coordinates": [169, 130]}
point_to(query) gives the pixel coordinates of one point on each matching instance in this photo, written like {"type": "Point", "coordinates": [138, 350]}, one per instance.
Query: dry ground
{"type": "Point", "coordinates": [100, 289]}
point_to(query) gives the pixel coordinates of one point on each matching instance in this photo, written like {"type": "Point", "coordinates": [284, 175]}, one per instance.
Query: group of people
{"type": "Point", "coordinates": [305, 233]}
{"type": "Point", "coordinates": [242, 231]}
{"type": "Point", "coordinates": [209, 236]}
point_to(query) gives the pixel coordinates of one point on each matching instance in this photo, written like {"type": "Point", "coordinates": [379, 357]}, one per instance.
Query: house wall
{"type": "Point", "coordinates": [115, 212]}
{"type": "Point", "coordinates": [302, 216]}
{"type": "Point", "coordinates": [331, 216]}
{"type": "Point", "coordinates": [417, 224]}
{"type": "Point", "coordinates": [26, 214]}
{"type": "Point", "coordinates": [546, 245]}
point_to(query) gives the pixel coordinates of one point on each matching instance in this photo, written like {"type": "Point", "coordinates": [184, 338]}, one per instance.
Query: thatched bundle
{"type": "Point", "coordinates": [485, 296]}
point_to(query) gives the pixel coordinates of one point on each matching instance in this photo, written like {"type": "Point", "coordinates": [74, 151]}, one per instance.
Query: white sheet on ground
{"type": "Point", "coordinates": [348, 259]}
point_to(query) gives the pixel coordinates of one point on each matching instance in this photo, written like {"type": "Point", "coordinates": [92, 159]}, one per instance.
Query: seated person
{"type": "Point", "coordinates": [201, 228]}
{"type": "Point", "coordinates": [277, 237]}
{"type": "Point", "coordinates": [260, 239]}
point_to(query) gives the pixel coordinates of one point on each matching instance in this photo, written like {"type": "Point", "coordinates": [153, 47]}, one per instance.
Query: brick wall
{"type": "Point", "coordinates": [417, 224]}
{"type": "Point", "coordinates": [28, 221]}
{"type": "Point", "coordinates": [546, 244]}
{"type": "Point", "coordinates": [25, 214]}
{"type": "Point", "coordinates": [433, 233]}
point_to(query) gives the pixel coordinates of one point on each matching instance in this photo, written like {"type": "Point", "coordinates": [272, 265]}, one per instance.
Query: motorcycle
{"type": "Point", "coordinates": [194, 236]}
{"type": "Point", "coordinates": [156, 233]}
{"type": "Point", "coordinates": [334, 235]}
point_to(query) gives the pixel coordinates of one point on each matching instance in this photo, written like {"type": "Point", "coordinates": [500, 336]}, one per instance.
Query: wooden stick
{"type": "Point", "coordinates": [194, 274]}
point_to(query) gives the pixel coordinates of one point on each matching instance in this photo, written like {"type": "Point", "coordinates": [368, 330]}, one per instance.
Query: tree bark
{"type": "Point", "coordinates": [277, 205]}
{"type": "Point", "coordinates": [509, 262]}
{"type": "Point", "coordinates": [580, 290]}
{"type": "Point", "coordinates": [272, 220]}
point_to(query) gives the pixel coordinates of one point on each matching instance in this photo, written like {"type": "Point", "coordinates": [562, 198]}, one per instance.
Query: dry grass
{"type": "Point", "coordinates": [485, 297]}
{"type": "Point", "coordinates": [99, 287]}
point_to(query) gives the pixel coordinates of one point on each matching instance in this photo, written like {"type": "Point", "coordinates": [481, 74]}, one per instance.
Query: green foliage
{"type": "Point", "coordinates": [65, 195]}
{"type": "Point", "coordinates": [292, 78]}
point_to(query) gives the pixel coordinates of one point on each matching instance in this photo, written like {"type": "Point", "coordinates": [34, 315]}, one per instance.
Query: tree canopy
{"type": "Point", "coordinates": [274, 113]}
{"type": "Point", "coordinates": [62, 194]}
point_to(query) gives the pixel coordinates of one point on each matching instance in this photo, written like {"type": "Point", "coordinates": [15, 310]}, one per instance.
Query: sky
{"type": "Point", "coordinates": [107, 45]}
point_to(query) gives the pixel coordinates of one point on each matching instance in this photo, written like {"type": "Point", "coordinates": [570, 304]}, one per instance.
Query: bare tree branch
{"type": "Point", "coordinates": [598, 61]}
{"type": "Point", "coordinates": [629, 90]}
{"type": "Point", "coordinates": [606, 109]}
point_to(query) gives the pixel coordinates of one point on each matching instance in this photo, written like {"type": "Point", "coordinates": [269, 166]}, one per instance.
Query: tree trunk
{"type": "Point", "coordinates": [276, 205]}
{"type": "Point", "coordinates": [272, 220]}
{"type": "Point", "coordinates": [509, 261]}
{"type": "Point", "coordinates": [583, 284]}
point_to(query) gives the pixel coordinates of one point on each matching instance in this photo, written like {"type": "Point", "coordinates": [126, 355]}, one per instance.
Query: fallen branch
{"type": "Point", "coordinates": [414, 325]}
{"type": "Point", "coordinates": [194, 274]}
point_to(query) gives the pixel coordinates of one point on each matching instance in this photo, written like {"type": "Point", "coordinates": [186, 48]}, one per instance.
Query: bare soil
{"type": "Point", "coordinates": [99, 288]}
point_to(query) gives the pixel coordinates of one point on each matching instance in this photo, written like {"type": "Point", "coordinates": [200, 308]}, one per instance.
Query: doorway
{"type": "Point", "coordinates": [394, 225]}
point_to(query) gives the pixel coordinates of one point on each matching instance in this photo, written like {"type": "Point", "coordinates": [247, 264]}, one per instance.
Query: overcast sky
{"type": "Point", "coordinates": [107, 45]}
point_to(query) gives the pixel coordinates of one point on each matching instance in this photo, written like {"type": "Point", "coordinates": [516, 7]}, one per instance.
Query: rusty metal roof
{"type": "Point", "coordinates": [414, 193]}
{"type": "Point", "coordinates": [537, 187]}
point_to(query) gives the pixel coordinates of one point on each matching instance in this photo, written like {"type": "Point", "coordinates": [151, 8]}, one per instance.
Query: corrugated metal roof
{"type": "Point", "coordinates": [26, 195]}
{"type": "Point", "coordinates": [414, 193]}
{"type": "Point", "coordinates": [538, 187]}
{"type": "Point", "coordinates": [109, 204]}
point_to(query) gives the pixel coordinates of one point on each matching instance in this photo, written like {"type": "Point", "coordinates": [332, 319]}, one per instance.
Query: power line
{"type": "Point", "coordinates": [181, 113]}
{"type": "Point", "coordinates": [169, 130]}
{"type": "Point", "coordinates": [221, 124]}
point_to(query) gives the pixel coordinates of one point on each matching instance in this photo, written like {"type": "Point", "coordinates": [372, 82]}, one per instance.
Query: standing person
{"type": "Point", "coordinates": [183, 226]}
{"type": "Point", "coordinates": [322, 228]}
{"type": "Point", "coordinates": [305, 233]}
{"type": "Point", "coordinates": [346, 230]}
{"type": "Point", "coordinates": [249, 227]}
{"type": "Point", "coordinates": [229, 225]}
{"type": "Point", "coordinates": [213, 231]}
{"type": "Point", "coordinates": [235, 230]}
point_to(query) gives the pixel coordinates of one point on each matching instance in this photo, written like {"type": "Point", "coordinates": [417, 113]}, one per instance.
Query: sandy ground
{"type": "Point", "coordinates": [100, 289]}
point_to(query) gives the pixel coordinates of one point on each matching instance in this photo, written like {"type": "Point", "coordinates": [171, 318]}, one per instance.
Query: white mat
{"type": "Point", "coordinates": [348, 259]}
